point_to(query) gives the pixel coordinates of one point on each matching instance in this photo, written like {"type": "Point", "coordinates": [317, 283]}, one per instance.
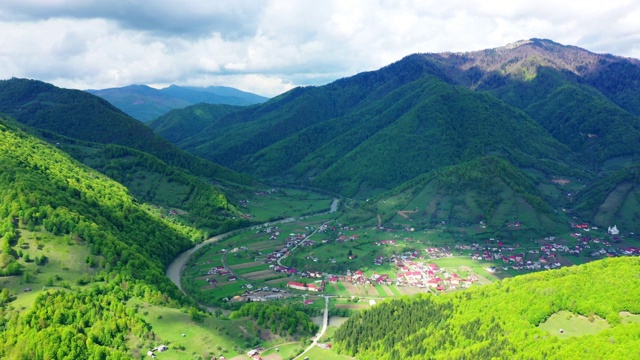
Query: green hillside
{"type": "Point", "coordinates": [580, 312]}
{"type": "Point", "coordinates": [448, 126]}
{"type": "Point", "coordinates": [612, 200]}
{"type": "Point", "coordinates": [395, 135]}
{"type": "Point", "coordinates": [178, 125]}
{"type": "Point", "coordinates": [175, 192]}
{"type": "Point", "coordinates": [80, 115]}
{"type": "Point", "coordinates": [52, 202]}
{"type": "Point", "coordinates": [580, 117]}
{"type": "Point", "coordinates": [554, 110]}
{"type": "Point", "coordinates": [488, 191]}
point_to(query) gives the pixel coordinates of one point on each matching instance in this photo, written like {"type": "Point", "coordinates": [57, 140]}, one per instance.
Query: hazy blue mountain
{"type": "Point", "coordinates": [146, 103]}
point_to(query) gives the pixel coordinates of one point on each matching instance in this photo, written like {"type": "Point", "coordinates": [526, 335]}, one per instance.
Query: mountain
{"type": "Point", "coordinates": [372, 132]}
{"type": "Point", "coordinates": [180, 124]}
{"type": "Point", "coordinates": [567, 89]}
{"type": "Point", "coordinates": [613, 199]}
{"type": "Point", "coordinates": [572, 313]}
{"type": "Point", "coordinates": [146, 103]}
{"type": "Point", "coordinates": [556, 111]}
{"type": "Point", "coordinates": [103, 137]}
{"type": "Point", "coordinates": [79, 115]}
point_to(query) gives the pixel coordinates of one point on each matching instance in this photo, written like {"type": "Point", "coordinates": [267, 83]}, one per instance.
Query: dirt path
{"type": "Point", "coordinates": [405, 212]}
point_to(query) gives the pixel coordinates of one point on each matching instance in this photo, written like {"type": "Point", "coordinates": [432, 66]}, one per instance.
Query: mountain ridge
{"type": "Point", "coordinates": [146, 103]}
{"type": "Point", "coordinates": [536, 103]}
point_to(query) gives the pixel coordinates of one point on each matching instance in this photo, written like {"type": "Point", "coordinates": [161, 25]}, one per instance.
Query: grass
{"type": "Point", "coordinates": [286, 351]}
{"type": "Point", "coordinates": [65, 265]}
{"type": "Point", "coordinates": [283, 203]}
{"type": "Point", "coordinates": [395, 290]}
{"type": "Point", "coordinates": [381, 291]}
{"type": "Point", "coordinates": [251, 269]}
{"type": "Point", "coordinates": [572, 325]}
{"type": "Point", "coordinates": [200, 338]}
{"type": "Point", "coordinates": [628, 318]}
{"type": "Point", "coordinates": [328, 354]}
{"type": "Point", "coordinates": [454, 263]}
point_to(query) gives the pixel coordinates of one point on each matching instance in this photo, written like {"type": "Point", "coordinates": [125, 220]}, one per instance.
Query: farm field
{"type": "Point", "coordinates": [325, 354]}
{"type": "Point", "coordinates": [273, 204]}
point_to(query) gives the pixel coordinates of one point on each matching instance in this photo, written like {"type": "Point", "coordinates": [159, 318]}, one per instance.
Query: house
{"type": "Point", "coordinates": [161, 348]}
{"type": "Point", "coordinates": [252, 352]}
{"type": "Point", "coordinates": [613, 230]}
{"type": "Point", "coordinates": [296, 285]}
{"type": "Point", "coordinates": [314, 287]}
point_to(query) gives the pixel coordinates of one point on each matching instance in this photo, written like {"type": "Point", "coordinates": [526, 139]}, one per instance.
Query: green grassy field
{"type": "Point", "coordinates": [572, 325]}
{"type": "Point", "coordinates": [211, 337]}
{"type": "Point", "coordinates": [65, 267]}
{"type": "Point", "coordinates": [628, 318]}
{"type": "Point", "coordinates": [285, 351]}
{"type": "Point", "coordinates": [325, 354]}
{"type": "Point", "coordinates": [283, 203]}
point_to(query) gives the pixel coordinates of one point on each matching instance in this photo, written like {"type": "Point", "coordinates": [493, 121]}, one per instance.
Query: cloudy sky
{"type": "Point", "coordinates": [271, 46]}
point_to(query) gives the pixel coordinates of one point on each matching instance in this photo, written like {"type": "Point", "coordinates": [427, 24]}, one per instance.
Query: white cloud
{"type": "Point", "coordinates": [268, 47]}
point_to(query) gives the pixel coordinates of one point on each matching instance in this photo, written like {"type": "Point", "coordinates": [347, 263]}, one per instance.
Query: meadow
{"type": "Point", "coordinates": [565, 324]}
{"type": "Point", "coordinates": [186, 338]}
{"type": "Point", "coordinates": [67, 264]}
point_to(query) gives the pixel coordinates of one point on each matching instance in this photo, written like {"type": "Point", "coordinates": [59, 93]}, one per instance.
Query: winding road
{"type": "Point", "coordinates": [174, 271]}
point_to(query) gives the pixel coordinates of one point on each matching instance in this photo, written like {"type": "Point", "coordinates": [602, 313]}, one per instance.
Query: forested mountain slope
{"type": "Point", "coordinates": [49, 196]}
{"type": "Point", "coordinates": [567, 90]}
{"type": "Point", "coordinates": [487, 190]}
{"type": "Point", "coordinates": [561, 111]}
{"type": "Point", "coordinates": [177, 125]}
{"type": "Point", "coordinates": [80, 115]}
{"type": "Point", "coordinates": [509, 319]}
{"type": "Point", "coordinates": [376, 144]}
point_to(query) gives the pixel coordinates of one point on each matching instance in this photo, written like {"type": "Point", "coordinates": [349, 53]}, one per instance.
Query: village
{"type": "Point", "coordinates": [401, 262]}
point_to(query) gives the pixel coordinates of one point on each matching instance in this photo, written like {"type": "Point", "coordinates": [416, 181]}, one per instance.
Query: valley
{"type": "Point", "coordinates": [470, 206]}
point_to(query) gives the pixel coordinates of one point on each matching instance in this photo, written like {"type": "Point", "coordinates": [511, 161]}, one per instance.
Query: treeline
{"type": "Point", "coordinates": [500, 320]}
{"type": "Point", "coordinates": [283, 320]}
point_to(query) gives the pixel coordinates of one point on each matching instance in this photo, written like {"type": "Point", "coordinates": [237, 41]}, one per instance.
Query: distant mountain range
{"type": "Point", "coordinates": [146, 103]}
{"type": "Point", "coordinates": [552, 111]}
